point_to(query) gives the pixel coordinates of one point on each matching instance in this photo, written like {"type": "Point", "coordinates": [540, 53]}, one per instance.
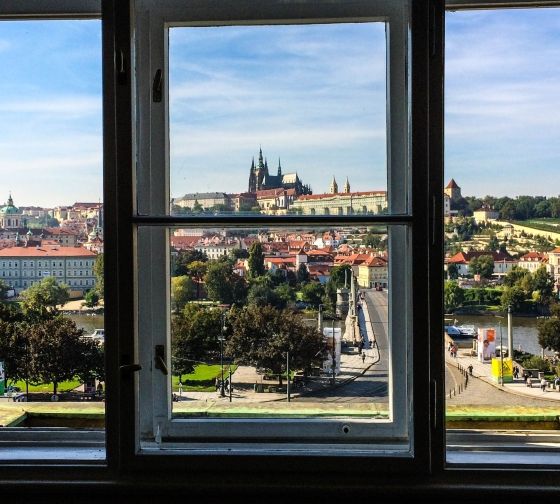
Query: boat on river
{"type": "Point", "coordinates": [460, 332]}
{"type": "Point", "coordinates": [97, 335]}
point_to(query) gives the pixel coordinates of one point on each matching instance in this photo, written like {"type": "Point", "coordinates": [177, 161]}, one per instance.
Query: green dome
{"type": "Point", "coordinates": [10, 208]}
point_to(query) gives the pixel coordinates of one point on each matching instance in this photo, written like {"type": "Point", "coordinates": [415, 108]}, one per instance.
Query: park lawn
{"type": "Point", "coordinates": [47, 387]}
{"type": "Point", "coordinates": [206, 374]}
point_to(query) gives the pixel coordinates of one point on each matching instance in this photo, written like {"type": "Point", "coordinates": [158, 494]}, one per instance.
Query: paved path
{"type": "Point", "coordinates": [483, 390]}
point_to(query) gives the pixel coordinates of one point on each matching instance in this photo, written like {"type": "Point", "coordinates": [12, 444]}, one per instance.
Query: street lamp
{"type": "Point", "coordinates": [333, 354]}
{"type": "Point", "coordinates": [221, 339]}
{"type": "Point", "coordinates": [501, 352]}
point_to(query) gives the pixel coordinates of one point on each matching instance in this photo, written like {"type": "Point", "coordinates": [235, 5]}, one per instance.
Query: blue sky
{"type": "Point", "coordinates": [312, 95]}
{"type": "Point", "coordinates": [51, 112]}
{"type": "Point", "coordinates": [502, 133]}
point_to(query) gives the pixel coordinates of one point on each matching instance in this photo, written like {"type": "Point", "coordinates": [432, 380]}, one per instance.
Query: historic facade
{"type": "Point", "coordinates": [10, 216]}
{"type": "Point", "coordinates": [21, 267]}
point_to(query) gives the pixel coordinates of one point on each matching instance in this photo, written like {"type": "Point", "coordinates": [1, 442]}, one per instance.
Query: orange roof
{"type": "Point", "coordinates": [46, 252]}
{"type": "Point", "coordinates": [375, 262]}
{"type": "Point", "coordinates": [555, 251]}
{"type": "Point", "coordinates": [452, 185]}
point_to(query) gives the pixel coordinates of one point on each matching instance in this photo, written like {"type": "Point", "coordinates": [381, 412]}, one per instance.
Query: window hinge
{"type": "Point", "coordinates": [157, 86]}
{"type": "Point", "coordinates": [120, 65]}
{"type": "Point", "coordinates": [160, 359]}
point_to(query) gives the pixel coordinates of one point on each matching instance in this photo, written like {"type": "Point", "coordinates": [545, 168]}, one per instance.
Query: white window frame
{"type": "Point", "coordinates": [152, 199]}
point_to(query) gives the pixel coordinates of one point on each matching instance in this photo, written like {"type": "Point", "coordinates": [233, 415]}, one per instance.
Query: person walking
{"type": "Point", "coordinates": [363, 357]}
{"type": "Point", "coordinates": [543, 384]}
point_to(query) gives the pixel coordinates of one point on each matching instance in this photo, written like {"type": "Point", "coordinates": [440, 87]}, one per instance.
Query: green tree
{"type": "Point", "coordinates": [223, 285]}
{"type": "Point", "coordinates": [302, 274]}
{"type": "Point", "coordinates": [262, 335]}
{"type": "Point", "coordinates": [285, 293]}
{"type": "Point", "coordinates": [493, 243]}
{"type": "Point", "coordinates": [99, 272]}
{"type": "Point", "coordinates": [452, 271]}
{"type": "Point", "coordinates": [3, 289]}
{"type": "Point", "coordinates": [312, 293]}
{"type": "Point", "coordinates": [262, 295]}
{"type": "Point", "coordinates": [56, 349]}
{"type": "Point", "coordinates": [91, 299]}
{"type": "Point", "coordinates": [543, 283]}
{"type": "Point", "coordinates": [194, 333]}
{"type": "Point", "coordinates": [182, 291]}
{"type": "Point", "coordinates": [184, 259]}
{"type": "Point", "coordinates": [256, 260]}
{"type": "Point", "coordinates": [515, 275]}
{"type": "Point", "coordinates": [514, 297]}
{"type": "Point", "coordinates": [453, 296]}
{"type": "Point", "coordinates": [45, 296]}
{"type": "Point", "coordinates": [549, 333]}
{"type": "Point", "coordinates": [13, 349]}
{"type": "Point", "coordinates": [482, 265]}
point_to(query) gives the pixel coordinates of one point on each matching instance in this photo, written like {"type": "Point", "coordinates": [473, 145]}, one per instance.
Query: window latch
{"type": "Point", "coordinates": [160, 359]}
{"type": "Point", "coordinates": [157, 86]}
{"type": "Point", "coordinates": [130, 368]}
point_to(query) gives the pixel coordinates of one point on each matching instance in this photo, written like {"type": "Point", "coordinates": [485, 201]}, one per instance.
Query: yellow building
{"type": "Point", "coordinates": [373, 273]}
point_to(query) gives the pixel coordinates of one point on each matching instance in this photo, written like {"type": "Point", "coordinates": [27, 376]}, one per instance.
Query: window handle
{"type": "Point", "coordinates": [160, 359]}
{"type": "Point", "coordinates": [130, 368]}
{"type": "Point", "coordinates": [157, 86]}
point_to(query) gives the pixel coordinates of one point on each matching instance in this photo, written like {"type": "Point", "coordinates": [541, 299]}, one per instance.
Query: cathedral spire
{"type": "Point", "coordinates": [346, 186]}
{"type": "Point", "coordinates": [334, 186]}
{"type": "Point", "coordinates": [279, 168]}
{"type": "Point", "coordinates": [261, 162]}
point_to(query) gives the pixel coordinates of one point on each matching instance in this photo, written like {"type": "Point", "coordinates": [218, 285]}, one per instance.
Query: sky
{"type": "Point", "coordinates": [313, 96]}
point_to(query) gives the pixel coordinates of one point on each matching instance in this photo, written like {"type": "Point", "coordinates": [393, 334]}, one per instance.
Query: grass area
{"type": "Point", "coordinates": [541, 225]}
{"type": "Point", "coordinates": [203, 378]}
{"type": "Point", "coordinates": [47, 387]}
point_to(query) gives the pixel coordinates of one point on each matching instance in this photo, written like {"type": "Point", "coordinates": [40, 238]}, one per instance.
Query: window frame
{"type": "Point", "coordinates": [422, 209]}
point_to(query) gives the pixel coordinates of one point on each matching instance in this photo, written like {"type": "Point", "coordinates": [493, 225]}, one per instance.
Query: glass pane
{"type": "Point", "coordinates": [501, 235]}
{"type": "Point", "coordinates": [288, 322]}
{"type": "Point", "coordinates": [51, 315]}
{"type": "Point", "coordinates": [278, 120]}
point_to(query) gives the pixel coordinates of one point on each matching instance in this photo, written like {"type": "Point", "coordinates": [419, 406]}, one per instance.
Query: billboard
{"type": "Point", "coordinates": [486, 344]}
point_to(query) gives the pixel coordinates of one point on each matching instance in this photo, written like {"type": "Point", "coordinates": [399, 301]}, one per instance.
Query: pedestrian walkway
{"type": "Point", "coordinates": [352, 365]}
{"type": "Point", "coordinates": [483, 371]}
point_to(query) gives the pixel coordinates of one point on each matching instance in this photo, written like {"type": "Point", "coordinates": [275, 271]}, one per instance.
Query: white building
{"type": "Point", "coordinates": [21, 267]}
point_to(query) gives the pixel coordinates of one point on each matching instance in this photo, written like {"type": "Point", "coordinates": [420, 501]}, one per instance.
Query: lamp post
{"type": "Point", "coordinates": [333, 354]}
{"type": "Point", "coordinates": [501, 356]}
{"type": "Point", "coordinates": [221, 338]}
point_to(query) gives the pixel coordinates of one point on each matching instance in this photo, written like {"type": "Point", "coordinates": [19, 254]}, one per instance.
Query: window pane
{"type": "Point", "coordinates": [501, 232]}
{"type": "Point", "coordinates": [52, 217]}
{"type": "Point", "coordinates": [251, 307]}
{"type": "Point", "coordinates": [278, 120]}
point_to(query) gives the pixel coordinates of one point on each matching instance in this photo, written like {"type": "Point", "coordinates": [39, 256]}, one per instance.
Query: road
{"type": "Point", "coordinates": [373, 384]}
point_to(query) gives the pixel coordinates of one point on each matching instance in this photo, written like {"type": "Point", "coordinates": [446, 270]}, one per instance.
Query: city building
{"type": "Point", "coordinates": [21, 267]}
{"type": "Point", "coordinates": [365, 202]}
{"type": "Point", "coordinates": [373, 272]}
{"type": "Point", "coordinates": [11, 216]}
{"type": "Point", "coordinates": [485, 214]}
{"type": "Point", "coordinates": [532, 261]}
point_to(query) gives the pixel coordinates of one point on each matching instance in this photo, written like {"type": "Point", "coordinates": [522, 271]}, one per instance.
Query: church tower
{"type": "Point", "coordinates": [334, 187]}
{"type": "Point", "coordinates": [279, 168]}
{"type": "Point", "coordinates": [346, 189]}
{"type": "Point", "coordinates": [252, 178]}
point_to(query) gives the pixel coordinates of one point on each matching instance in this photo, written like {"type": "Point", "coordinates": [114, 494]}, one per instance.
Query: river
{"type": "Point", "coordinates": [88, 322]}
{"type": "Point", "coordinates": [525, 334]}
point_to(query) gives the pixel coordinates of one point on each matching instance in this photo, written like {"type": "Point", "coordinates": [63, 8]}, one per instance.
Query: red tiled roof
{"type": "Point", "coordinates": [452, 185]}
{"type": "Point", "coordinates": [465, 257]}
{"type": "Point", "coordinates": [46, 252]}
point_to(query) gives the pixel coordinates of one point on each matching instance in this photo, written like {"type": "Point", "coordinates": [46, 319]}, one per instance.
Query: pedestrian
{"type": "Point", "coordinates": [543, 384]}
{"type": "Point", "coordinates": [470, 368]}
{"type": "Point", "coordinates": [217, 384]}
{"type": "Point", "coordinates": [363, 357]}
